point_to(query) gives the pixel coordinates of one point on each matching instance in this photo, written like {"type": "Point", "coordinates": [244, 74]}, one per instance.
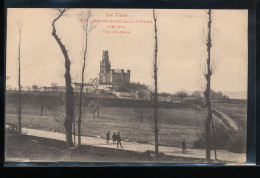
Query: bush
{"type": "Point", "coordinates": [237, 142]}
{"type": "Point", "coordinates": [13, 130]}
{"type": "Point", "coordinates": [225, 139]}
{"type": "Point", "coordinates": [200, 142]}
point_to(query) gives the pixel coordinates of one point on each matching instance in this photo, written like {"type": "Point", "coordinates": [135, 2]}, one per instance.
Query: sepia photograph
{"type": "Point", "coordinates": [126, 85]}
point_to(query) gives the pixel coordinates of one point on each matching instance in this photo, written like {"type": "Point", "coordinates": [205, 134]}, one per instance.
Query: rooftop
{"type": "Point", "coordinates": [85, 84]}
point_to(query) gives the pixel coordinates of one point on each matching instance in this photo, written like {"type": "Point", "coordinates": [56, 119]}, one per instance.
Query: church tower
{"type": "Point", "coordinates": [104, 68]}
{"type": "Point", "coordinates": [105, 64]}
{"type": "Point", "coordinates": [111, 77]}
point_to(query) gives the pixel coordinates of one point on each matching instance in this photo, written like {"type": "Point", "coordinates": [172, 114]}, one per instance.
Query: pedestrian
{"type": "Point", "coordinates": [114, 137]}
{"type": "Point", "coordinates": [108, 136]}
{"type": "Point", "coordinates": [118, 139]}
{"type": "Point", "coordinates": [183, 144]}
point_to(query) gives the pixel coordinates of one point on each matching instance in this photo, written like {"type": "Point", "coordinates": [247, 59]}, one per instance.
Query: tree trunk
{"type": "Point", "coordinates": [42, 106]}
{"type": "Point", "coordinates": [74, 130]}
{"type": "Point", "coordinates": [207, 93]}
{"type": "Point", "coordinates": [69, 95]}
{"type": "Point", "coordinates": [81, 90]}
{"type": "Point", "coordinates": [41, 109]}
{"type": "Point", "coordinates": [155, 92]}
{"type": "Point", "coordinates": [214, 138]}
{"type": "Point", "coordinates": [19, 86]}
{"type": "Point", "coordinates": [98, 108]}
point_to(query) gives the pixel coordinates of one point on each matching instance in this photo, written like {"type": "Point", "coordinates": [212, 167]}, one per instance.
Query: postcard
{"type": "Point", "coordinates": [126, 85]}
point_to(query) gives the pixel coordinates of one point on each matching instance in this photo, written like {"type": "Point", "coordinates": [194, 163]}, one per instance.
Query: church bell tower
{"type": "Point", "coordinates": [105, 64]}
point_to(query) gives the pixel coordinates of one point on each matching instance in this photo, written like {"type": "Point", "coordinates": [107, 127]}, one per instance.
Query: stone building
{"type": "Point", "coordinates": [111, 78]}
{"type": "Point", "coordinates": [87, 88]}
{"type": "Point", "coordinates": [54, 89]}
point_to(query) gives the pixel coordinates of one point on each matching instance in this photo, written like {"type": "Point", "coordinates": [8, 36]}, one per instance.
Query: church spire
{"type": "Point", "coordinates": [105, 64]}
{"type": "Point", "coordinates": [105, 57]}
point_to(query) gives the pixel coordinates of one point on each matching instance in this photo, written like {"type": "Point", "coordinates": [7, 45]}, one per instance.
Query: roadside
{"type": "Point", "coordinates": [223, 156]}
{"type": "Point", "coordinates": [229, 120]}
{"type": "Point", "coordinates": [222, 118]}
{"type": "Point", "coordinates": [39, 149]}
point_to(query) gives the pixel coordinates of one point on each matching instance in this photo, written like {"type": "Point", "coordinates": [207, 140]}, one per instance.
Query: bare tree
{"type": "Point", "coordinates": [60, 112]}
{"type": "Point", "coordinates": [141, 111]}
{"type": "Point", "coordinates": [207, 91]}
{"type": "Point", "coordinates": [87, 27]}
{"type": "Point", "coordinates": [35, 87]}
{"type": "Point", "coordinates": [155, 89]}
{"type": "Point", "coordinates": [182, 94]}
{"type": "Point", "coordinates": [95, 105]}
{"type": "Point", "coordinates": [69, 95]}
{"type": "Point", "coordinates": [165, 96]}
{"type": "Point", "coordinates": [19, 85]}
{"type": "Point", "coordinates": [42, 104]}
{"type": "Point", "coordinates": [28, 88]}
{"type": "Point", "coordinates": [54, 86]}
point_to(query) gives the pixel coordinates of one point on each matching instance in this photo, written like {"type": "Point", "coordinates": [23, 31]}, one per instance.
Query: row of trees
{"type": "Point", "coordinates": [37, 88]}
{"type": "Point", "coordinates": [209, 69]}
{"type": "Point", "coordinates": [87, 27]}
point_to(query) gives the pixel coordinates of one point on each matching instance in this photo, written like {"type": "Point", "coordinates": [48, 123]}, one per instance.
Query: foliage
{"type": "Point", "coordinates": [35, 87]}
{"type": "Point", "coordinates": [13, 130]}
{"type": "Point", "coordinates": [182, 94]}
{"type": "Point", "coordinates": [215, 96]}
{"type": "Point", "coordinates": [238, 112]}
{"type": "Point", "coordinates": [218, 96]}
{"type": "Point", "coordinates": [94, 106]}
{"type": "Point", "coordinates": [225, 139]}
{"type": "Point", "coordinates": [142, 113]}
{"type": "Point", "coordinates": [53, 84]}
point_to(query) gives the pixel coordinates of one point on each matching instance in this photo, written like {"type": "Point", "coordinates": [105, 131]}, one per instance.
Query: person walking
{"type": "Point", "coordinates": [108, 137]}
{"type": "Point", "coordinates": [119, 140]}
{"type": "Point", "coordinates": [183, 144]}
{"type": "Point", "coordinates": [114, 137]}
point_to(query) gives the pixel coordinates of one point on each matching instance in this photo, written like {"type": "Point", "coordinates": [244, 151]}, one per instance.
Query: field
{"type": "Point", "coordinates": [174, 123]}
{"type": "Point", "coordinates": [238, 112]}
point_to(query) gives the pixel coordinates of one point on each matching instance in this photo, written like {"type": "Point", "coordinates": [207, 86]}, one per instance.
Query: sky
{"type": "Point", "coordinates": [181, 47]}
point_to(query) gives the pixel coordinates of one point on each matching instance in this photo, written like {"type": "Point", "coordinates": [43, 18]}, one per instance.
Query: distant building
{"type": "Point", "coordinates": [125, 95]}
{"type": "Point", "coordinates": [116, 82]}
{"type": "Point", "coordinates": [87, 88]}
{"type": "Point", "coordinates": [111, 78]}
{"type": "Point", "coordinates": [166, 97]}
{"type": "Point", "coordinates": [49, 89]}
{"type": "Point", "coordinates": [54, 89]}
{"type": "Point", "coordinates": [60, 88]}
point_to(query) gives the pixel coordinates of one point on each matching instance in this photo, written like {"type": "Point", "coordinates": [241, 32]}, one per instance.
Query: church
{"type": "Point", "coordinates": [111, 79]}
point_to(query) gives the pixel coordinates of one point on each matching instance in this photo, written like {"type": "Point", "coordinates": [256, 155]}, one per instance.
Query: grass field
{"type": "Point", "coordinates": [174, 123]}
{"type": "Point", "coordinates": [238, 112]}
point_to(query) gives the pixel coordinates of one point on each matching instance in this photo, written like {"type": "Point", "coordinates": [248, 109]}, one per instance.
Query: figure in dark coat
{"type": "Point", "coordinates": [108, 137]}
{"type": "Point", "coordinates": [118, 139]}
{"type": "Point", "coordinates": [114, 137]}
{"type": "Point", "coordinates": [183, 144]}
